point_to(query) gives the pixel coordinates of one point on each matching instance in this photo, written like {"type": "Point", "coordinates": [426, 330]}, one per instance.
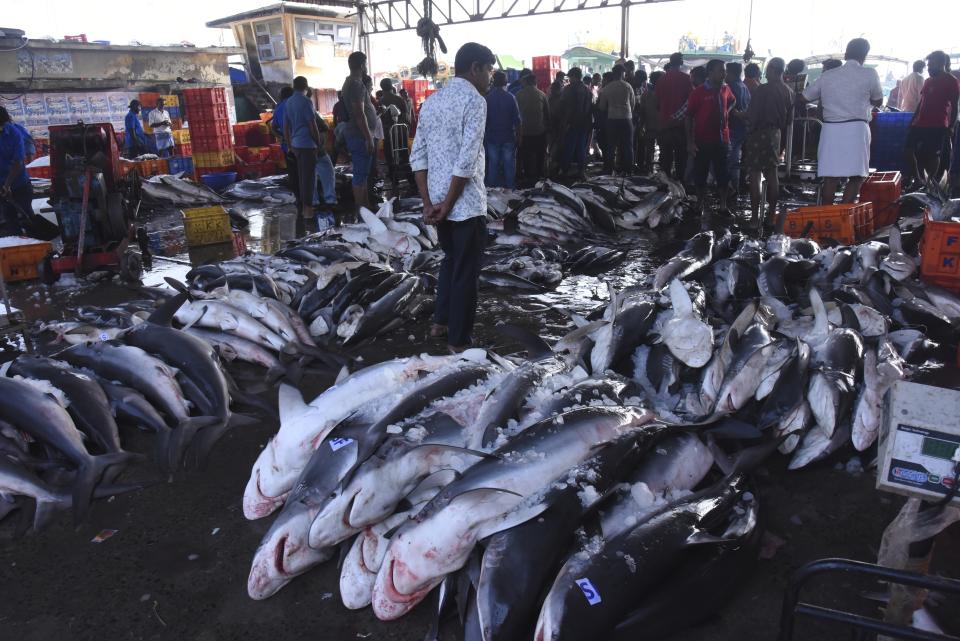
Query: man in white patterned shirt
{"type": "Point", "coordinates": [448, 164]}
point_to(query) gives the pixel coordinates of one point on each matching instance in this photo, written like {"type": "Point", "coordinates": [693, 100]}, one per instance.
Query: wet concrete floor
{"type": "Point", "coordinates": [177, 565]}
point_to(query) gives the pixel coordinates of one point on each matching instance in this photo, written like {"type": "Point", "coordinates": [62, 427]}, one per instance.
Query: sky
{"type": "Point", "coordinates": [793, 29]}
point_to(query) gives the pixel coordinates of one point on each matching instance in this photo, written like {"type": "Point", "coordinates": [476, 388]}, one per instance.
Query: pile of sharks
{"type": "Point", "coordinates": [527, 487]}
{"type": "Point", "coordinates": [61, 415]}
{"type": "Point", "coordinates": [554, 495]}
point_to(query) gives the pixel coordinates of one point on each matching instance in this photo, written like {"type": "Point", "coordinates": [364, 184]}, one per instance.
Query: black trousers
{"type": "Point", "coordinates": [533, 153]}
{"type": "Point", "coordinates": [307, 170]}
{"type": "Point", "coordinates": [620, 140]}
{"type": "Point", "coordinates": [673, 152]}
{"type": "Point", "coordinates": [293, 176]}
{"type": "Point", "coordinates": [463, 244]}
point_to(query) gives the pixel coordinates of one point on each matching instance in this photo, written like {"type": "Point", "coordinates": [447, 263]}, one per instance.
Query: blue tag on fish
{"type": "Point", "coordinates": [589, 591]}
{"type": "Point", "coordinates": [337, 443]}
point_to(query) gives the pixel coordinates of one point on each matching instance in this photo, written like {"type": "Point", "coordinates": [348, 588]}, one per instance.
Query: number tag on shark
{"type": "Point", "coordinates": [589, 591]}
{"type": "Point", "coordinates": [337, 443]}
{"type": "Point", "coordinates": [104, 336]}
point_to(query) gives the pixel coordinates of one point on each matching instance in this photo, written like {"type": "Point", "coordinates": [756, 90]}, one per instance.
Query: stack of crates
{"type": "Point", "coordinates": [417, 90]}
{"type": "Point", "coordinates": [888, 139]}
{"type": "Point", "coordinates": [253, 133]}
{"type": "Point", "coordinates": [940, 253]}
{"type": "Point", "coordinates": [883, 190]}
{"type": "Point", "coordinates": [181, 142]}
{"type": "Point", "coordinates": [545, 68]}
{"type": "Point", "coordinates": [210, 139]}
{"type": "Point", "coordinates": [845, 224]}
{"type": "Point", "coordinates": [257, 161]}
{"type": "Point", "coordinates": [171, 102]}
{"type": "Point", "coordinates": [148, 102]}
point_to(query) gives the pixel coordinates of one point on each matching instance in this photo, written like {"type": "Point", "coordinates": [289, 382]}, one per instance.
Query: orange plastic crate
{"type": "Point", "coordinates": [19, 262]}
{"type": "Point", "coordinates": [883, 189]}
{"type": "Point", "coordinates": [940, 253]}
{"type": "Point", "coordinates": [843, 223]}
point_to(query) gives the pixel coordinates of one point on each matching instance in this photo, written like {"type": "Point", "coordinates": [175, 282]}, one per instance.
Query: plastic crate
{"type": "Point", "coordinates": [883, 190]}
{"type": "Point", "coordinates": [276, 153]}
{"type": "Point", "coordinates": [940, 253]}
{"type": "Point", "coordinates": [546, 62]}
{"type": "Point", "coordinates": [207, 112]}
{"type": "Point", "coordinates": [217, 177]}
{"type": "Point", "coordinates": [148, 98]}
{"type": "Point", "coordinates": [181, 136]}
{"type": "Point", "coordinates": [178, 164]}
{"type": "Point", "coordinates": [544, 79]}
{"type": "Point", "coordinates": [254, 154]}
{"type": "Point", "coordinates": [171, 99]}
{"type": "Point", "coordinates": [184, 149]}
{"type": "Point", "coordinates": [207, 226]}
{"type": "Point", "coordinates": [206, 142]}
{"type": "Point", "coordinates": [39, 172]}
{"type": "Point", "coordinates": [843, 223]}
{"type": "Point", "coordinates": [257, 170]}
{"type": "Point", "coordinates": [204, 96]}
{"type": "Point", "coordinates": [206, 127]}
{"type": "Point", "coordinates": [213, 158]}
{"type": "Point", "coordinates": [19, 261]}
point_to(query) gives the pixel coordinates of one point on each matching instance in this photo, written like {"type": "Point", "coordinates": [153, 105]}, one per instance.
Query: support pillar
{"type": "Point", "coordinates": [625, 30]}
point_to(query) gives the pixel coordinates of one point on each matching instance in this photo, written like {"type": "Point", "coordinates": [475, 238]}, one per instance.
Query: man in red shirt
{"type": "Point", "coordinates": [672, 92]}
{"type": "Point", "coordinates": [708, 132]}
{"type": "Point", "coordinates": [934, 120]}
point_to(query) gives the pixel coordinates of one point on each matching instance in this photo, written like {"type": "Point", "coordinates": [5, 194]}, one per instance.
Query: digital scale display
{"type": "Point", "coordinates": [919, 444]}
{"type": "Point", "coordinates": [938, 448]}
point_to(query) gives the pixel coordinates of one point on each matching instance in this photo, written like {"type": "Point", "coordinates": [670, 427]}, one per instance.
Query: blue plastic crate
{"type": "Point", "coordinates": [178, 164]}
{"type": "Point", "coordinates": [173, 111]}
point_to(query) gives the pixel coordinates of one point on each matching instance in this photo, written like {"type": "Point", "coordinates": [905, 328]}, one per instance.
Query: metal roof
{"type": "Point", "coordinates": [321, 9]}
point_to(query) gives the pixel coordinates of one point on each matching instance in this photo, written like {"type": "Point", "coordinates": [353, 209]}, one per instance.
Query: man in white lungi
{"type": "Point", "coordinates": [847, 95]}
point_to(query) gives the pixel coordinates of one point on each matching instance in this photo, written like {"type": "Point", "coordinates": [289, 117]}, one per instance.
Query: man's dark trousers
{"type": "Point", "coordinates": [462, 243]}
{"type": "Point", "coordinates": [620, 140]}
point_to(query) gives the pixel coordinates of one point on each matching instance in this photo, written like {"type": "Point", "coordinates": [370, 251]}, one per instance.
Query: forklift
{"type": "Point", "coordinates": [97, 208]}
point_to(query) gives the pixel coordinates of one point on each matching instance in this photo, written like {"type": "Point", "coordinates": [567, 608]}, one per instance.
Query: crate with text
{"type": "Point", "coordinates": [940, 253]}
{"type": "Point", "coordinates": [843, 223]}
{"type": "Point", "coordinates": [207, 226]}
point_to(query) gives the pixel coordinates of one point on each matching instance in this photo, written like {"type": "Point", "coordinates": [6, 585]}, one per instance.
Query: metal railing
{"type": "Point", "coordinates": [861, 624]}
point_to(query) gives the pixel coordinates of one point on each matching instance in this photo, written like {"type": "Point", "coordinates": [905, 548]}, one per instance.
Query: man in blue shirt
{"type": "Point", "coordinates": [738, 122]}
{"type": "Point", "coordinates": [500, 139]}
{"type": "Point", "coordinates": [303, 138]}
{"type": "Point", "coordinates": [15, 190]}
{"type": "Point", "coordinates": [135, 141]}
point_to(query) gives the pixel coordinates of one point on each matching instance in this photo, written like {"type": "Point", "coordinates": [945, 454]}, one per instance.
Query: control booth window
{"type": "Point", "coordinates": [271, 44]}
{"type": "Point", "coordinates": [314, 31]}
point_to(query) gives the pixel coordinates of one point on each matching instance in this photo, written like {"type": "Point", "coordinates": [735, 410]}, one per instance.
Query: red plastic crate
{"type": "Point", "coordinates": [546, 62]}
{"type": "Point", "coordinates": [204, 127]}
{"type": "Point", "coordinates": [184, 149]}
{"type": "Point", "coordinates": [416, 89]}
{"type": "Point", "coordinates": [843, 223]}
{"type": "Point", "coordinates": [204, 96]}
{"type": "Point", "coordinates": [39, 172]}
{"type": "Point", "coordinates": [544, 79]}
{"type": "Point", "coordinates": [256, 170]}
{"type": "Point", "coordinates": [276, 153]}
{"type": "Point", "coordinates": [883, 190]}
{"type": "Point", "coordinates": [940, 253]}
{"type": "Point", "coordinates": [211, 142]}
{"type": "Point", "coordinates": [208, 113]}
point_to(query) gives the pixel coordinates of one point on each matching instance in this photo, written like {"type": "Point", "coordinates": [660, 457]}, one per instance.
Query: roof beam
{"type": "Point", "coordinates": [450, 12]}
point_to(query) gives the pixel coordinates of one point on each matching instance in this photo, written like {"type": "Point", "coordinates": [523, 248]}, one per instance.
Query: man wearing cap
{"type": "Point", "coordinates": [135, 141]}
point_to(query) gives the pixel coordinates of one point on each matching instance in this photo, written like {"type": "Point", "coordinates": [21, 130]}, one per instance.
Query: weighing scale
{"type": "Point", "coordinates": [919, 450]}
